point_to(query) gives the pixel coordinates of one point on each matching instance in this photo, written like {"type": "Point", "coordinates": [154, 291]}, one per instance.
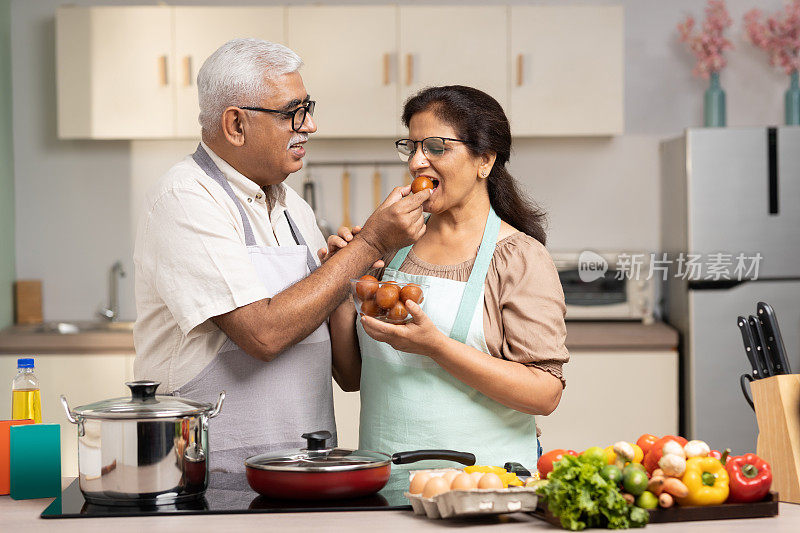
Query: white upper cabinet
{"type": "Point", "coordinates": [567, 70]}
{"type": "Point", "coordinates": [199, 31]}
{"type": "Point", "coordinates": [130, 72]}
{"type": "Point", "coordinates": [350, 53]}
{"type": "Point", "coordinates": [454, 45]}
{"type": "Point", "coordinates": [113, 72]}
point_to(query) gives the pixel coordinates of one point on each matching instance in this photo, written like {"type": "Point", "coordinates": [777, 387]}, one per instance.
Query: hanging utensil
{"type": "Point", "coordinates": [310, 196]}
{"type": "Point", "coordinates": [775, 347]}
{"type": "Point", "coordinates": [377, 188]}
{"type": "Point", "coordinates": [346, 198]}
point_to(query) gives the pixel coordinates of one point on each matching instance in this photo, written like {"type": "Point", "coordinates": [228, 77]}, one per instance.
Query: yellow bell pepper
{"type": "Point", "coordinates": [485, 469]}
{"type": "Point", "coordinates": [611, 457]}
{"type": "Point", "coordinates": [707, 481]}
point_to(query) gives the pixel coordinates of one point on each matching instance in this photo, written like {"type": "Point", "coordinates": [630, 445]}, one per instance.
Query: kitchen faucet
{"type": "Point", "coordinates": [111, 312]}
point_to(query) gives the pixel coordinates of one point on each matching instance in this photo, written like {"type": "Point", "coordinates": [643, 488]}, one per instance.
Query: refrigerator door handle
{"type": "Point", "coordinates": [772, 169]}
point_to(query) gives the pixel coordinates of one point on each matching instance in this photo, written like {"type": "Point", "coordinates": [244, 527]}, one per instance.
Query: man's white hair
{"type": "Point", "coordinates": [234, 76]}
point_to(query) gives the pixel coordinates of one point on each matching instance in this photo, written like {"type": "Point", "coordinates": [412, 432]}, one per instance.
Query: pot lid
{"type": "Point", "coordinates": [317, 457]}
{"type": "Point", "coordinates": [143, 403]}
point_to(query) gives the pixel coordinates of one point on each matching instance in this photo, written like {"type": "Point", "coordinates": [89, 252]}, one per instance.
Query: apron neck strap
{"type": "Point", "coordinates": [205, 162]}
{"type": "Point", "coordinates": [477, 277]}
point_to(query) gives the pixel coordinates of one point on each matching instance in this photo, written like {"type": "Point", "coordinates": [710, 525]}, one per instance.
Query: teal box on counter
{"type": "Point", "coordinates": [35, 461]}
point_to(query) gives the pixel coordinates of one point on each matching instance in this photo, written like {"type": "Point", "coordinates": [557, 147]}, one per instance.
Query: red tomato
{"type": "Point", "coordinates": [545, 464]}
{"type": "Point", "coordinates": [646, 442]}
{"type": "Point", "coordinates": [657, 450]}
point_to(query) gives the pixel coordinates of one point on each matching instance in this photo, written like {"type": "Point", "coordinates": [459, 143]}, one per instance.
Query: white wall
{"type": "Point", "coordinates": [77, 201]}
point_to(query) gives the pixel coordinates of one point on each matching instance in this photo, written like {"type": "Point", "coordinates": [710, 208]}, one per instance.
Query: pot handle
{"type": "Point", "coordinates": [70, 414]}
{"type": "Point", "coordinates": [217, 407]}
{"type": "Point", "coordinates": [464, 458]}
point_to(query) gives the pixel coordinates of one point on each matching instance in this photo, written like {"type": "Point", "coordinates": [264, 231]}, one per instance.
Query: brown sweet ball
{"type": "Point", "coordinates": [397, 313]}
{"type": "Point", "coordinates": [421, 183]}
{"type": "Point", "coordinates": [387, 295]}
{"type": "Point", "coordinates": [366, 287]}
{"type": "Point", "coordinates": [370, 308]}
{"type": "Point", "coordinates": [412, 292]}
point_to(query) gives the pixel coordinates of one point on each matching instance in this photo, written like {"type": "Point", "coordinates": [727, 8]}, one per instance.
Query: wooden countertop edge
{"type": "Point", "coordinates": [79, 343]}
{"type": "Point", "coordinates": [601, 336]}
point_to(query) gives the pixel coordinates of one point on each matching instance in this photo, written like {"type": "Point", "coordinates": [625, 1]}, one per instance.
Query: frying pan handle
{"type": "Point", "coordinates": [464, 458]}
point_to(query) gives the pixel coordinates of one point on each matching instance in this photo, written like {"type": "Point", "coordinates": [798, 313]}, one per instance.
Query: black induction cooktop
{"type": "Point", "coordinates": [229, 493]}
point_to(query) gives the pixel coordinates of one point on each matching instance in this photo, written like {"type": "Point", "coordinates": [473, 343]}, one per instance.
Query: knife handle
{"type": "Point", "coordinates": [765, 365]}
{"type": "Point", "coordinates": [769, 321]}
{"type": "Point", "coordinates": [747, 340]}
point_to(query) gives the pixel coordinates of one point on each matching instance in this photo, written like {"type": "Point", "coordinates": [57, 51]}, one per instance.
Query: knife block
{"type": "Point", "coordinates": [777, 404]}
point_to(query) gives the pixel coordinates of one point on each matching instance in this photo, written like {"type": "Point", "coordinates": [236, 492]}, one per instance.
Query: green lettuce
{"type": "Point", "coordinates": [580, 497]}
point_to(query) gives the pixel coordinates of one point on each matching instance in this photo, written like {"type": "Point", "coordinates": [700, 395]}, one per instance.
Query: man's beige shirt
{"type": "Point", "coordinates": [191, 264]}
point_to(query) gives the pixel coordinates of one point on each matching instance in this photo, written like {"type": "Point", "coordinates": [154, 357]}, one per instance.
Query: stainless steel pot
{"type": "Point", "coordinates": [145, 449]}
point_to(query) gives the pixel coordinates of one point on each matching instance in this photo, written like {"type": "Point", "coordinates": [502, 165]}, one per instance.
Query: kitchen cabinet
{"type": "Point", "coordinates": [614, 395]}
{"type": "Point", "coordinates": [449, 45]}
{"type": "Point", "coordinates": [130, 72]}
{"type": "Point", "coordinates": [350, 57]}
{"type": "Point", "coordinates": [567, 65]}
{"type": "Point", "coordinates": [112, 72]}
{"type": "Point", "coordinates": [198, 33]}
{"type": "Point", "coordinates": [83, 379]}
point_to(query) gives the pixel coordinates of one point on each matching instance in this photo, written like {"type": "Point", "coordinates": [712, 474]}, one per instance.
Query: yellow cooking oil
{"type": "Point", "coordinates": [26, 404]}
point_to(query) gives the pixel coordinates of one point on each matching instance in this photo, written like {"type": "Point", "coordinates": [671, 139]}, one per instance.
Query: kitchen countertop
{"type": "Point", "coordinates": [23, 515]}
{"type": "Point", "coordinates": [580, 336]}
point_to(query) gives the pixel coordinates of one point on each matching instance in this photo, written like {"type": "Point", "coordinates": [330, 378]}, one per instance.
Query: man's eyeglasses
{"type": "Point", "coordinates": [298, 116]}
{"type": "Point", "coordinates": [432, 147]}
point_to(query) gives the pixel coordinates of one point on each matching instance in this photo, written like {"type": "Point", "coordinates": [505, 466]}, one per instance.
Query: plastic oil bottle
{"type": "Point", "coordinates": [26, 402]}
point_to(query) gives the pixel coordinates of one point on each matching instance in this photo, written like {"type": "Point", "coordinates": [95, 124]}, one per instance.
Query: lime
{"type": "Point", "coordinates": [634, 481]}
{"type": "Point", "coordinates": [633, 466]}
{"type": "Point", "coordinates": [595, 454]}
{"type": "Point", "coordinates": [647, 500]}
{"type": "Point", "coordinates": [612, 473]}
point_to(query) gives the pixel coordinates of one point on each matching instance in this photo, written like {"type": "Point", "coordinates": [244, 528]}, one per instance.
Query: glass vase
{"type": "Point", "coordinates": [714, 104]}
{"type": "Point", "coordinates": [792, 100]}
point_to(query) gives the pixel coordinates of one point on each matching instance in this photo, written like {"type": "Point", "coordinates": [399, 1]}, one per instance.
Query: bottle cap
{"type": "Point", "coordinates": [25, 363]}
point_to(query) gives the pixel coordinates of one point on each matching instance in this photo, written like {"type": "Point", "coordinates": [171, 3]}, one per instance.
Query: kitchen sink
{"type": "Point", "coordinates": [80, 326]}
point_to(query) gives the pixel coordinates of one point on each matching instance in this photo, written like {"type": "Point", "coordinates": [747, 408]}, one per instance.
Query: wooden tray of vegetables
{"type": "Point", "coordinates": [659, 480]}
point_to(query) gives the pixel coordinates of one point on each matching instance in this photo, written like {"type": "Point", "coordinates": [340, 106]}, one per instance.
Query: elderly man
{"type": "Point", "coordinates": [229, 295]}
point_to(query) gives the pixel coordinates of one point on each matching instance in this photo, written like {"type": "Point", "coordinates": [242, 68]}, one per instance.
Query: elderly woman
{"type": "Point", "coordinates": [471, 371]}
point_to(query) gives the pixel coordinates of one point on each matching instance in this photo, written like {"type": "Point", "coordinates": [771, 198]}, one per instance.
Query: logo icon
{"type": "Point", "coordinates": [591, 266]}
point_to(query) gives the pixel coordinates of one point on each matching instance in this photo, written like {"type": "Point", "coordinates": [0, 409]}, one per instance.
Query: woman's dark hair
{"type": "Point", "coordinates": [478, 119]}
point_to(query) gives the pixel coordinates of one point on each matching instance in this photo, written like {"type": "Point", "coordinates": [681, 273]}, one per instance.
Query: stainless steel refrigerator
{"type": "Point", "coordinates": [729, 191]}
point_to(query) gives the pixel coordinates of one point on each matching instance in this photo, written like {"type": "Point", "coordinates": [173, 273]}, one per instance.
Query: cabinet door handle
{"type": "Point", "coordinates": [409, 69]}
{"type": "Point", "coordinates": [187, 71]}
{"type": "Point", "coordinates": [386, 65]}
{"type": "Point", "coordinates": [520, 69]}
{"type": "Point", "coordinates": [162, 70]}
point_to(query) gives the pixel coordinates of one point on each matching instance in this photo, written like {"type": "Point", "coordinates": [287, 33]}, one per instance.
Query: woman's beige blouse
{"type": "Point", "coordinates": [523, 306]}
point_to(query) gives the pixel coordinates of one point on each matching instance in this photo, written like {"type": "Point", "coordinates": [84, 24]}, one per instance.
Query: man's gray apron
{"type": "Point", "coordinates": [268, 405]}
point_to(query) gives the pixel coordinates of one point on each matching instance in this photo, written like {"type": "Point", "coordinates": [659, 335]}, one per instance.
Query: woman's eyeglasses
{"type": "Point", "coordinates": [432, 147]}
{"type": "Point", "coordinates": [298, 116]}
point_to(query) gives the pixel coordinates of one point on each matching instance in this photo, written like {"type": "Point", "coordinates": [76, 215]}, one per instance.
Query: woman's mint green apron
{"type": "Point", "coordinates": [408, 402]}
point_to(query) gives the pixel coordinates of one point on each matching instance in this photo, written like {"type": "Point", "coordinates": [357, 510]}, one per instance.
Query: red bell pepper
{"type": "Point", "coordinates": [715, 454]}
{"type": "Point", "coordinates": [750, 478]}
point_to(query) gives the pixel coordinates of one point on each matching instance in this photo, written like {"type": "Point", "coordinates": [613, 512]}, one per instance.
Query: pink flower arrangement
{"type": "Point", "coordinates": [778, 35]}
{"type": "Point", "coordinates": [708, 44]}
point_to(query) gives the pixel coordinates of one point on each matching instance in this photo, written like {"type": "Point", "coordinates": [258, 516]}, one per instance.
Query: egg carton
{"type": "Point", "coordinates": [475, 502]}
